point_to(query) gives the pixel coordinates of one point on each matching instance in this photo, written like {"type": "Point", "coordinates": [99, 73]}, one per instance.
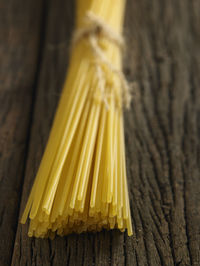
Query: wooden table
{"type": "Point", "coordinates": [162, 131]}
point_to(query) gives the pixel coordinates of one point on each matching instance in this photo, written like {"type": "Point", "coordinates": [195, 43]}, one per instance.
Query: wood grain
{"type": "Point", "coordinates": [162, 139]}
{"type": "Point", "coordinates": [20, 27]}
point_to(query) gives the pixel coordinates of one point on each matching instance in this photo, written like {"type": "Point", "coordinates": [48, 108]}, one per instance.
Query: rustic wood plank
{"type": "Point", "coordinates": [20, 26]}
{"type": "Point", "coordinates": [162, 132]}
{"type": "Point", "coordinates": [162, 140]}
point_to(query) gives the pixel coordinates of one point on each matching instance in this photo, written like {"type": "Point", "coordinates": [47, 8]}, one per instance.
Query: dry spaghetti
{"type": "Point", "coordinates": [81, 183]}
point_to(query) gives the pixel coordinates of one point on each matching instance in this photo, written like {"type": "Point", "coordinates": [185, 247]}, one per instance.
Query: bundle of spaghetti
{"type": "Point", "coordinates": [81, 184]}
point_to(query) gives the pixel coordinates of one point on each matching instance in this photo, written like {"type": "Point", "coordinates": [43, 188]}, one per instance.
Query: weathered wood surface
{"type": "Point", "coordinates": [20, 29]}
{"type": "Point", "coordinates": [162, 137]}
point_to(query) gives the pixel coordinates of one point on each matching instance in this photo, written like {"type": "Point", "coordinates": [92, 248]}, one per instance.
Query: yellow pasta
{"type": "Point", "coordinates": [81, 184]}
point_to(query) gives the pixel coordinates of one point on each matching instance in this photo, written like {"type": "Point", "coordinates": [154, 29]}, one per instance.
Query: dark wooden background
{"type": "Point", "coordinates": [162, 131]}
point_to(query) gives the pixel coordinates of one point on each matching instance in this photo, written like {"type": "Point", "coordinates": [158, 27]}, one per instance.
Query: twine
{"type": "Point", "coordinates": [97, 27]}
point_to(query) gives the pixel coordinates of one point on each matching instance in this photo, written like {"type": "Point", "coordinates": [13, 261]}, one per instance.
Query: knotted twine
{"type": "Point", "coordinates": [97, 26]}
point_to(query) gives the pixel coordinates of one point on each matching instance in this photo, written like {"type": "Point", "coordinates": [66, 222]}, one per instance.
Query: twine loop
{"type": "Point", "coordinates": [98, 27]}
